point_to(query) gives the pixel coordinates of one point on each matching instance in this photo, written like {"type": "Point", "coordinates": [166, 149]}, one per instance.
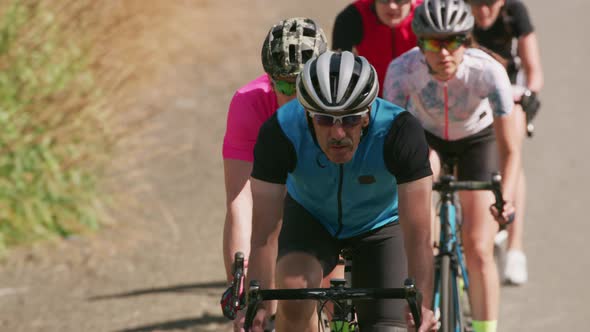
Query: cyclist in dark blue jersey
{"type": "Point", "coordinates": [343, 169]}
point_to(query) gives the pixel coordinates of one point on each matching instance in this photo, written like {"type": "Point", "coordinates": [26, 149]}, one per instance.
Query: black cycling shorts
{"type": "Point", "coordinates": [476, 156]}
{"type": "Point", "coordinates": [378, 261]}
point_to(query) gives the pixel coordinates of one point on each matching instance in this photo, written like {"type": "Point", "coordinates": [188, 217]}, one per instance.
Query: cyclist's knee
{"type": "Point", "coordinates": [435, 164]}
{"type": "Point", "coordinates": [478, 254]}
{"type": "Point", "coordinates": [296, 310]}
{"type": "Point", "coordinates": [298, 270]}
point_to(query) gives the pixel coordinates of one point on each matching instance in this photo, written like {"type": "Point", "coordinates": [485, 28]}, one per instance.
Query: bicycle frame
{"type": "Point", "coordinates": [449, 262]}
{"type": "Point", "coordinates": [337, 293]}
{"type": "Point", "coordinates": [450, 251]}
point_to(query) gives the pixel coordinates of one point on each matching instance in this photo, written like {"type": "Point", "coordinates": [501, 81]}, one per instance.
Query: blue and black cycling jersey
{"type": "Point", "coordinates": [352, 198]}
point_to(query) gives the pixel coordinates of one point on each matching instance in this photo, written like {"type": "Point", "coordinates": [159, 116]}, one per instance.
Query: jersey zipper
{"type": "Point", "coordinates": [446, 96]}
{"type": "Point", "coordinates": [340, 181]}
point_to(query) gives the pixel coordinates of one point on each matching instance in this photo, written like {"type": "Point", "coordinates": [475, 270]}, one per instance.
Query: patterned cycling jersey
{"type": "Point", "coordinates": [453, 109]}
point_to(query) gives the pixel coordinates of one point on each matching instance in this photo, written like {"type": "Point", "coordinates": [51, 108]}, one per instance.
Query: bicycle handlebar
{"type": "Point", "coordinates": [447, 184]}
{"type": "Point", "coordinates": [408, 292]}
{"type": "Point", "coordinates": [238, 274]}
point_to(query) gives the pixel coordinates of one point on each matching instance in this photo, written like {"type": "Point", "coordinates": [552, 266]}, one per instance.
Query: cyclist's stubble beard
{"type": "Point", "coordinates": [339, 147]}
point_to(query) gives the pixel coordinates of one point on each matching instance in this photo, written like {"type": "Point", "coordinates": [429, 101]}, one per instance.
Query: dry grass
{"type": "Point", "coordinates": [71, 73]}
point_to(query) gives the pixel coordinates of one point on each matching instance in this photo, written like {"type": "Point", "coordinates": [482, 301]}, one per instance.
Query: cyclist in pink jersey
{"type": "Point", "coordinates": [286, 48]}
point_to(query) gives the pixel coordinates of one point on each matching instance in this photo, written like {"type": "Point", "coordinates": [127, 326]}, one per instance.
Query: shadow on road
{"type": "Point", "coordinates": [172, 289]}
{"type": "Point", "coordinates": [179, 324]}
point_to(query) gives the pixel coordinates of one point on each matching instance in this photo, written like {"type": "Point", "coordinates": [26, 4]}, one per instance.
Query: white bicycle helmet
{"type": "Point", "coordinates": [289, 44]}
{"type": "Point", "coordinates": [442, 18]}
{"type": "Point", "coordinates": [337, 83]}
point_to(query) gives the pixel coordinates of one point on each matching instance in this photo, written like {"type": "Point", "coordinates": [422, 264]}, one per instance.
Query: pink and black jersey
{"type": "Point", "coordinates": [250, 107]}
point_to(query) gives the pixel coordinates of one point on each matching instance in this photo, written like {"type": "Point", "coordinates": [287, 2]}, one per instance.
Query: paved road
{"type": "Point", "coordinates": [163, 272]}
{"type": "Point", "coordinates": [556, 162]}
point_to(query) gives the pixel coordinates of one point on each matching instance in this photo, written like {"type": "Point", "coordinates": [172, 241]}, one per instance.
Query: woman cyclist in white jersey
{"type": "Point", "coordinates": [463, 99]}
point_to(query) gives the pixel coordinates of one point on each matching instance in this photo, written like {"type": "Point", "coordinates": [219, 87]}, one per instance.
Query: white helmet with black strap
{"type": "Point", "coordinates": [337, 82]}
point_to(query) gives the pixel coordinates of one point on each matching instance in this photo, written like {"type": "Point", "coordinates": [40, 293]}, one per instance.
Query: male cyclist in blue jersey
{"type": "Point", "coordinates": [463, 98]}
{"type": "Point", "coordinates": [343, 169]}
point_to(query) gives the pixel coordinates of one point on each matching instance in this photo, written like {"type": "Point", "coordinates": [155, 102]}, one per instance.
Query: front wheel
{"type": "Point", "coordinates": [447, 306]}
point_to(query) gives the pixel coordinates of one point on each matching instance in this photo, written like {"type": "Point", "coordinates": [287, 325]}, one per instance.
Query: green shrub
{"type": "Point", "coordinates": [54, 139]}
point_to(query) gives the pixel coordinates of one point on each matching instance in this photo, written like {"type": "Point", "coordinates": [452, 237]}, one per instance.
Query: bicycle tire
{"type": "Point", "coordinates": [447, 308]}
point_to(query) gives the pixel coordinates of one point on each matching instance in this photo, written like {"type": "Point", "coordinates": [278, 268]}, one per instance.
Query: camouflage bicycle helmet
{"type": "Point", "coordinates": [289, 44]}
{"type": "Point", "coordinates": [442, 18]}
{"type": "Point", "coordinates": [337, 82]}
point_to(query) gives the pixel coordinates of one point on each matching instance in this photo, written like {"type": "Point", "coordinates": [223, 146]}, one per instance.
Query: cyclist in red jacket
{"type": "Point", "coordinates": [379, 30]}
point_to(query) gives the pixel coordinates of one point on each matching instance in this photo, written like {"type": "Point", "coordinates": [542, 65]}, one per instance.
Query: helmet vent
{"type": "Point", "coordinates": [277, 33]}
{"type": "Point", "coordinates": [306, 55]}
{"type": "Point", "coordinates": [453, 17]}
{"type": "Point", "coordinates": [309, 32]}
{"type": "Point", "coordinates": [292, 54]}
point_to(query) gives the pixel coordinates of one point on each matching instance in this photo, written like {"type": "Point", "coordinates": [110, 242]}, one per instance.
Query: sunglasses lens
{"type": "Point", "coordinates": [454, 44]}
{"type": "Point", "coordinates": [286, 88]}
{"type": "Point", "coordinates": [348, 121]}
{"type": "Point", "coordinates": [324, 120]}
{"type": "Point", "coordinates": [431, 45]}
{"type": "Point", "coordinates": [351, 120]}
{"type": "Point", "coordinates": [435, 45]}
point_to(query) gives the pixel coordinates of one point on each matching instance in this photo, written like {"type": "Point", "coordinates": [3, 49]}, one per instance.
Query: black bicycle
{"type": "Point", "coordinates": [343, 319]}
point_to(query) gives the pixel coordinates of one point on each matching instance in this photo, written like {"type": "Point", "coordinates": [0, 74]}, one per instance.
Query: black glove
{"type": "Point", "coordinates": [530, 104]}
{"type": "Point", "coordinates": [228, 306]}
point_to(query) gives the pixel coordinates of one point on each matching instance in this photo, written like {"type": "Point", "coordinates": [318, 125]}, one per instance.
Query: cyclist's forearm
{"type": "Point", "coordinates": [238, 218]}
{"type": "Point", "coordinates": [510, 165]}
{"type": "Point", "coordinates": [414, 208]}
{"type": "Point", "coordinates": [509, 150]}
{"type": "Point", "coordinates": [535, 81]}
{"type": "Point", "coordinates": [421, 267]}
{"type": "Point", "coordinates": [236, 235]}
{"type": "Point", "coordinates": [529, 52]}
{"type": "Point", "coordinates": [262, 264]}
